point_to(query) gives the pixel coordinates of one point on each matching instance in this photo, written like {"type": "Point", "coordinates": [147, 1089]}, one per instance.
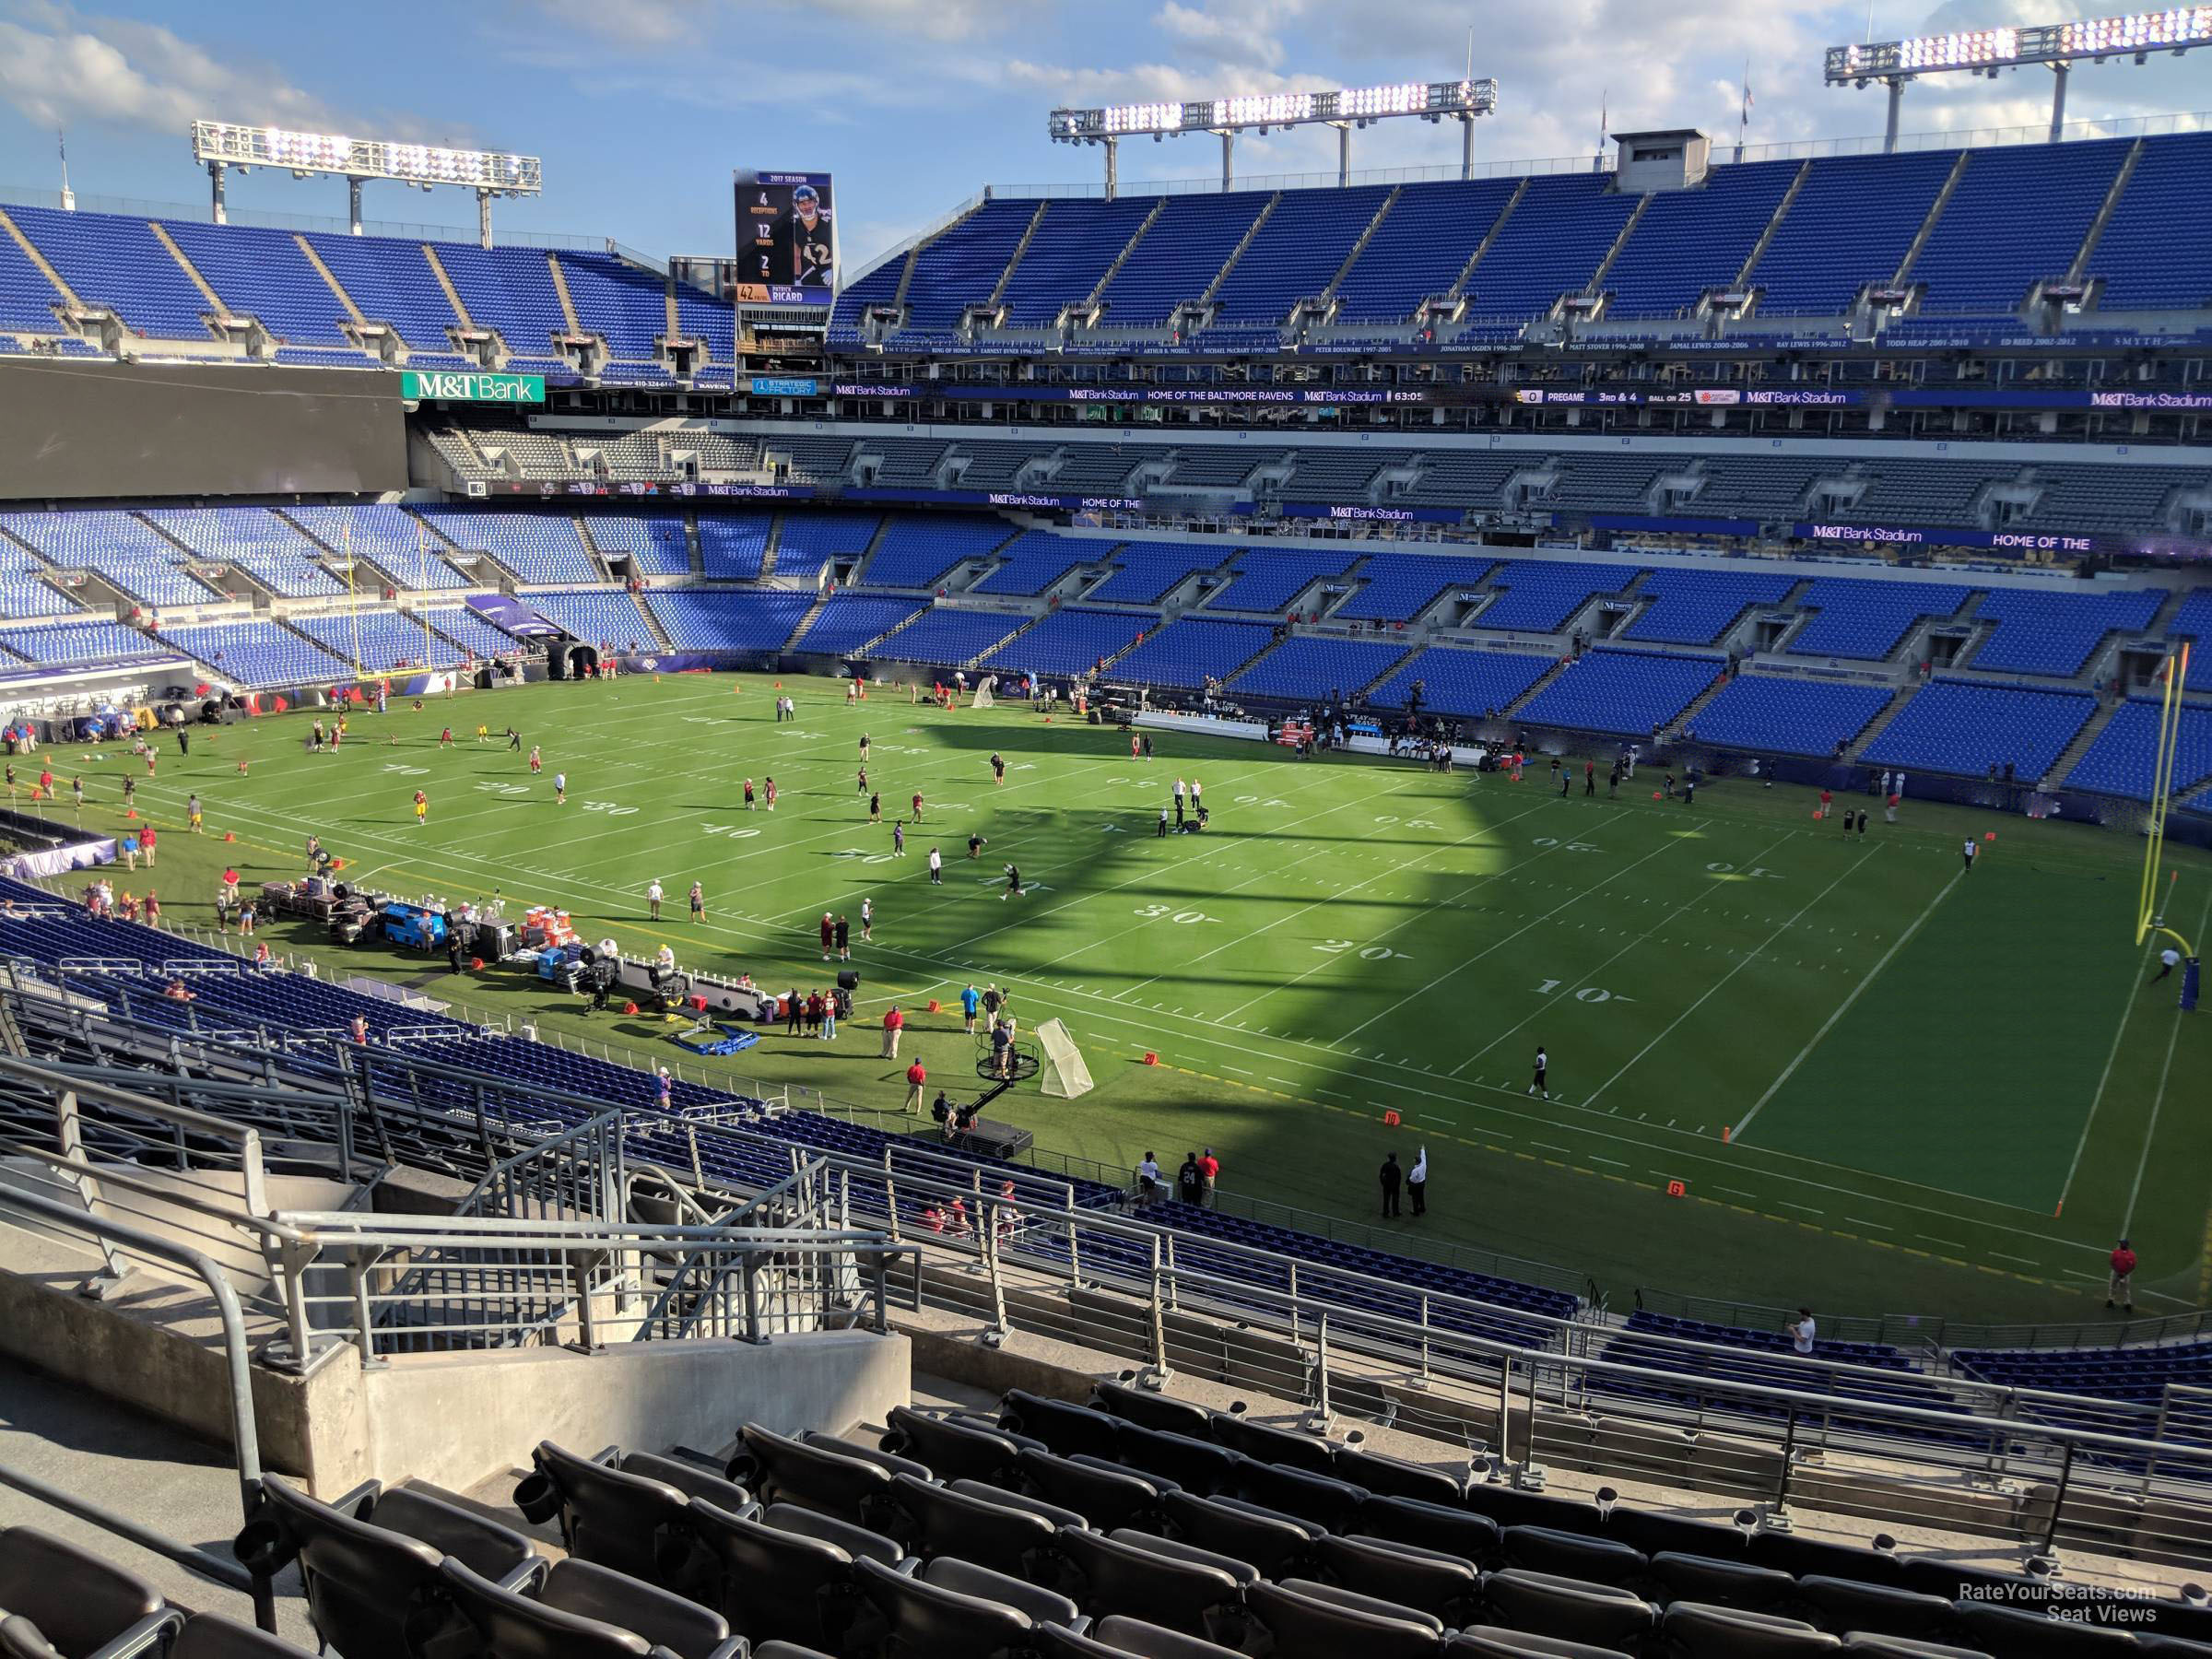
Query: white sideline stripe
{"type": "Point", "coordinates": [579, 883]}
{"type": "Point", "coordinates": [2128, 1012]}
{"type": "Point", "coordinates": [1749, 957]}
{"type": "Point", "coordinates": [1857, 991]}
{"type": "Point", "coordinates": [1589, 979]}
{"type": "Point", "coordinates": [1469, 961]}
{"type": "Point", "coordinates": [2157, 1103]}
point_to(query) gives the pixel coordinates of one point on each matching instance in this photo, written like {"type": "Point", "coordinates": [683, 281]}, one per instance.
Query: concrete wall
{"type": "Point", "coordinates": [452, 1419]}
{"type": "Point", "coordinates": [455, 1419]}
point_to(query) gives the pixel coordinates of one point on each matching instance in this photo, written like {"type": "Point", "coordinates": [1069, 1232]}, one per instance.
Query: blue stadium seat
{"type": "Point", "coordinates": [1962, 727]}
{"type": "Point", "coordinates": [2120, 759]}
{"type": "Point", "coordinates": [1188, 651]}
{"type": "Point", "coordinates": [1069, 642]}
{"type": "Point", "coordinates": [850, 620]}
{"type": "Point", "coordinates": [1786, 716]}
{"type": "Point", "coordinates": [1308, 668]}
{"type": "Point", "coordinates": [1624, 693]}
{"type": "Point", "coordinates": [1466, 683]}
{"type": "Point", "coordinates": [760, 620]}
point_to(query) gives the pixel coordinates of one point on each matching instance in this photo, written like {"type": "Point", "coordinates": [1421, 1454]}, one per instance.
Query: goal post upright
{"type": "Point", "coordinates": [2149, 912]}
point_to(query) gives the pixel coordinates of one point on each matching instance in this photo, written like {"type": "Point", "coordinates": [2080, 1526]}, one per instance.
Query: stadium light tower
{"type": "Point", "coordinates": [2174, 28]}
{"type": "Point", "coordinates": [1352, 107]}
{"type": "Point", "coordinates": [221, 144]}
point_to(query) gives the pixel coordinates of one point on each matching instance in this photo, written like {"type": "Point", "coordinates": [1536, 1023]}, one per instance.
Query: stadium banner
{"type": "Point", "coordinates": [1374, 515]}
{"type": "Point", "coordinates": [1000, 497]}
{"type": "Point", "coordinates": [470, 385]}
{"type": "Point", "coordinates": [2151, 544]}
{"type": "Point", "coordinates": [647, 488]}
{"type": "Point", "coordinates": [781, 385]}
{"type": "Point", "coordinates": [786, 239]}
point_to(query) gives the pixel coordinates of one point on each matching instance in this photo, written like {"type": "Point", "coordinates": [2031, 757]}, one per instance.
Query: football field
{"type": "Point", "coordinates": [1884, 1084]}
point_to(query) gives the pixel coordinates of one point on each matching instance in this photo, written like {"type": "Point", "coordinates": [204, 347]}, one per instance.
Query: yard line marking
{"type": "Point", "coordinates": [775, 937]}
{"type": "Point", "coordinates": [1616, 1162]}
{"type": "Point", "coordinates": [1884, 1227]}
{"type": "Point", "coordinates": [1285, 1082]}
{"type": "Point", "coordinates": [2105, 1076]}
{"type": "Point", "coordinates": [1590, 978]}
{"type": "Point", "coordinates": [2157, 1103]}
{"type": "Point", "coordinates": [1500, 944]}
{"type": "Point", "coordinates": [1844, 1007]}
{"type": "Point", "coordinates": [1238, 1069]}
{"type": "Point", "coordinates": [1807, 1209]}
{"type": "Point", "coordinates": [1736, 1191]}
{"type": "Point", "coordinates": [2023, 1260]}
{"type": "Point", "coordinates": [1749, 958]}
{"type": "Point", "coordinates": [1945, 1243]}
{"type": "Point", "coordinates": [1548, 1145]}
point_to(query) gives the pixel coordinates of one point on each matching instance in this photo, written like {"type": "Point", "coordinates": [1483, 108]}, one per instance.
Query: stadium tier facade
{"type": "Point", "coordinates": [1825, 470]}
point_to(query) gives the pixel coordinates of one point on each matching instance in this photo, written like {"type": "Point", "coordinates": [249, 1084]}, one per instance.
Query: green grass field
{"type": "Point", "coordinates": [1942, 1094]}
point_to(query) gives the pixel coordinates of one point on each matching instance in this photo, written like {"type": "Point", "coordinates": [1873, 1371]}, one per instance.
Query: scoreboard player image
{"type": "Point", "coordinates": [786, 238]}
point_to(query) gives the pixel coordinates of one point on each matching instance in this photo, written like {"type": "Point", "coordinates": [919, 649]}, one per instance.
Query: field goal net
{"type": "Point", "coordinates": [984, 698]}
{"type": "Point", "coordinates": [1062, 1073]}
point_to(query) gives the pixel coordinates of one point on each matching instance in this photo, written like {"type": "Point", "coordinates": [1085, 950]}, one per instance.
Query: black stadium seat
{"type": "Point", "coordinates": [1431, 1525]}
{"type": "Point", "coordinates": [481, 1543]}
{"type": "Point", "coordinates": [1652, 1531]}
{"type": "Point", "coordinates": [1274, 1446]}
{"type": "Point", "coordinates": [1278, 1545]}
{"type": "Point", "coordinates": [890, 1463]}
{"type": "Point", "coordinates": [1846, 1606]}
{"type": "Point", "coordinates": [1332, 1505]}
{"type": "Point", "coordinates": [1806, 1558]}
{"type": "Point", "coordinates": [856, 1541]}
{"type": "Point", "coordinates": [211, 1636]}
{"type": "Point", "coordinates": [1180, 1549]}
{"type": "Point", "coordinates": [787, 1649]}
{"type": "Point", "coordinates": [633, 1524]}
{"type": "Point", "coordinates": [1571, 1608]}
{"type": "Point", "coordinates": [771, 1580]}
{"type": "Point", "coordinates": [1153, 1411]}
{"type": "Point", "coordinates": [953, 1450]}
{"type": "Point", "coordinates": [515, 1627]}
{"type": "Point", "coordinates": [779, 1468]}
{"type": "Point", "coordinates": [1902, 1647]}
{"type": "Point", "coordinates": [1054, 1512]}
{"type": "Point", "coordinates": [74, 1603]}
{"type": "Point", "coordinates": [1199, 1466]}
{"type": "Point", "coordinates": [2029, 1633]}
{"type": "Point", "coordinates": [1446, 1585]}
{"type": "Point", "coordinates": [1571, 1555]}
{"type": "Point", "coordinates": [945, 1522]}
{"type": "Point", "coordinates": [1042, 1605]}
{"type": "Point", "coordinates": [1107, 1497]}
{"type": "Point", "coordinates": [1490, 1641]}
{"type": "Point", "coordinates": [1511, 1507]}
{"type": "Point", "coordinates": [1694, 1630]}
{"type": "Point", "coordinates": [1396, 1477]}
{"type": "Point", "coordinates": [1687, 1578]}
{"type": "Point", "coordinates": [664, 1619]}
{"type": "Point", "coordinates": [1067, 1430]}
{"type": "Point", "coordinates": [1113, 1575]}
{"type": "Point", "coordinates": [369, 1590]}
{"type": "Point", "coordinates": [1312, 1621]}
{"type": "Point", "coordinates": [1118, 1636]}
{"type": "Point", "coordinates": [929, 1621]}
{"type": "Point", "coordinates": [687, 1478]}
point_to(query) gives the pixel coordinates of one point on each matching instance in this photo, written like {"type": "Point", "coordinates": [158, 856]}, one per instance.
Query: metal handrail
{"type": "Point", "coordinates": [245, 1436]}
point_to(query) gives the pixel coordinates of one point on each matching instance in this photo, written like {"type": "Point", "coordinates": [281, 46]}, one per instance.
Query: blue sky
{"type": "Point", "coordinates": [642, 108]}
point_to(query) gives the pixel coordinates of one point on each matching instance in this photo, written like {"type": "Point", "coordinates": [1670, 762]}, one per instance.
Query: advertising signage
{"type": "Point", "coordinates": [458, 386]}
{"type": "Point", "coordinates": [786, 239]}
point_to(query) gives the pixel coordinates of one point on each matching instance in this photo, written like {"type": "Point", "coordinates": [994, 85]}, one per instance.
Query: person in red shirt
{"type": "Point", "coordinates": [1827, 800]}
{"type": "Point", "coordinates": [828, 930]}
{"type": "Point", "coordinates": [1210, 1170]}
{"type": "Point", "coordinates": [915, 1077]}
{"type": "Point", "coordinates": [2119, 1293]}
{"type": "Point", "coordinates": [893, 1023]}
{"type": "Point", "coordinates": [917, 807]}
{"type": "Point", "coordinates": [146, 844]}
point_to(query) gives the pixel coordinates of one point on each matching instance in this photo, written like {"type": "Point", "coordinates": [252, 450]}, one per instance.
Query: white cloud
{"type": "Point", "coordinates": [59, 67]}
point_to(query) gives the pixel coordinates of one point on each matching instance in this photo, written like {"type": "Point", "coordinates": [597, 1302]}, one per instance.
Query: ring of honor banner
{"type": "Point", "coordinates": [786, 239]}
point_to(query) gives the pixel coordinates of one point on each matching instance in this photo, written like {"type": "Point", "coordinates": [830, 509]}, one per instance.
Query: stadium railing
{"type": "Point", "coordinates": [556, 1272]}
{"type": "Point", "coordinates": [1935, 1331]}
